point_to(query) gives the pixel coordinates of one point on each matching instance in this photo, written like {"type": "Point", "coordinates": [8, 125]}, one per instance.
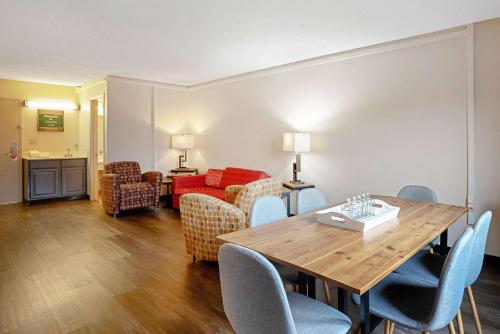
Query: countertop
{"type": "Point", "coordinates": [55, 157]}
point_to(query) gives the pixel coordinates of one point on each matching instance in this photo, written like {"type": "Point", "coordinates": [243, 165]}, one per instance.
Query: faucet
{"type": "Point", "coordinates": [68, 154]}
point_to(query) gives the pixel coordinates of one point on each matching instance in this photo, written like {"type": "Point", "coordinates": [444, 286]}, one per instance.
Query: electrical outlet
{"type": "Point", "coordinates": [470, 202]}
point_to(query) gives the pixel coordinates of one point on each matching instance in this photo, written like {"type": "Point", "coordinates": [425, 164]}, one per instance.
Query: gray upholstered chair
{"type": "Point", "coordinates": [421, 306]}
{"type": "Point", "coordinates": [255, 300]}
{"type": "Point", "coordinates": [428, 267]}
{"type": "Point", "coordinates": [420, 193]}
{"type": "Point", "coordinates": [309, 200]}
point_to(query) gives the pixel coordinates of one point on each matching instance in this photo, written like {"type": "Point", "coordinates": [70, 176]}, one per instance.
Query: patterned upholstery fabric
{"type": "Point", "coordinates": [219, 193]}
{"type": "Point", "coordinates": [213, 177]}
{"type": "Point", "coordinates": [257, 189]}
{"type": "Point", "coordinates": [203, 219]}
{"type": "Point", "coordinates": [123, 187]}
{"type": "Point", "coordinates": [136, 195]}
{"type": "Point", "coordinates": [232, 192]}
{"type": "Point", "coordinates": [128, 171]}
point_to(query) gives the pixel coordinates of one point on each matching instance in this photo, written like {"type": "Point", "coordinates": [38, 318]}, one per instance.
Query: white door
{"type": "Point", "coordinates": [10, 147]}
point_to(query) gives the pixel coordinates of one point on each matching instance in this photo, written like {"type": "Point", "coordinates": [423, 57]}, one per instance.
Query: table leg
{"type": "Point", "coordinates": [302, 283]}
{"type": "Point", "coordinates": [443, 243]}
{"type": "Point", "coordinates": [364, 313]}
{"type": "Point", "coordinates": [311, 286]}
{"type": "Point", "coordinates": [288, 202]}
{"type": "Point", "coordinates": [342, 300]}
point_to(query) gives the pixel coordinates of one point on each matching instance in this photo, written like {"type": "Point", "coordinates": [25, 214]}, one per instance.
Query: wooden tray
{"type": "Point", "coordinates": [333, 216]}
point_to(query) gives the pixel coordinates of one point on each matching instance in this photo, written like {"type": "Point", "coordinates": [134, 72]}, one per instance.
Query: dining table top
{"type": "Point", "coordinates": [352, 260]}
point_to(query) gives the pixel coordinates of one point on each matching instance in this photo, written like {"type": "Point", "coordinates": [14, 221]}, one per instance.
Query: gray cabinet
{"type": "Point", "coordinates": [54, 178]}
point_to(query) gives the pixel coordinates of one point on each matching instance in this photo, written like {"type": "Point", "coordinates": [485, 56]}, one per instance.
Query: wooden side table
{"type": "Point", "coordinates": [293, 187]}
{"type": "Point", "coordinates": [167, 181]}
{"type": "Point", "coordinates": [184, 171]}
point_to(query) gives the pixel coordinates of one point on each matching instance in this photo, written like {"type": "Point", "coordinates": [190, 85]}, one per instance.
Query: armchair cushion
{"type": "Point", "coordinates": [213, 178]}
{"type": "Point", "coordinates": [215, 192]}
{"type": "Point", "coordinates": [136, 195]}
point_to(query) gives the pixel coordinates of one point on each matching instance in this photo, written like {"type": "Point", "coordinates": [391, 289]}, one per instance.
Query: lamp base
{"type": "Point", "coordinates": [297, 182]}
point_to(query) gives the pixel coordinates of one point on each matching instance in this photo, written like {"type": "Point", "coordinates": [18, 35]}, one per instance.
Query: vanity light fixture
{"type": "Point", "coordinates": [51, 105]}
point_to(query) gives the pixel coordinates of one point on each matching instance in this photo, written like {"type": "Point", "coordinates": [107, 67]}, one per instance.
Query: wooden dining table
{"type": "Point", "coordinates": [352, 261]}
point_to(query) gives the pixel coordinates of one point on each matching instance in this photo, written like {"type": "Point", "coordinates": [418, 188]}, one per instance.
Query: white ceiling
{"type": "Point", "coordinates": [192, 41]}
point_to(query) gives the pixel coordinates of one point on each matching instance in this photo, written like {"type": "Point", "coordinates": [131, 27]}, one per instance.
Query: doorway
{"type": "Point", "coordinates": [10, 159]}
{"type": "Point", "coordinates": [97, 146]}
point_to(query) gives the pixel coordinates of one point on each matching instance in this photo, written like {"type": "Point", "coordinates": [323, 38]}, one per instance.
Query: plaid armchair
{"type": "Point", "coordinates": [123, 187]}
{"type": "Point", "coordinates": [205, 217]}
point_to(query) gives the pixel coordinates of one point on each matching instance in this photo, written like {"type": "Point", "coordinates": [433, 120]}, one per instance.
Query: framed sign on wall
{"type": "Point", "coordinates": [50, 120]}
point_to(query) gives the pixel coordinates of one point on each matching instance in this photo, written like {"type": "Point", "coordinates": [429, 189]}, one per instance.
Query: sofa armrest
{"type": "Point", "coordinates": [193, 181]}
{"type": "Point", "coordinates": [155, 179]}
{"type": "Point", "coordinates": [110, 193]}
{"type": "Point", "coordinates": [231, 192]}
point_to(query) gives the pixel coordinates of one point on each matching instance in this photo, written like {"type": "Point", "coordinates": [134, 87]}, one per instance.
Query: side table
{"type": "Point", "coordinates": [291, 186]}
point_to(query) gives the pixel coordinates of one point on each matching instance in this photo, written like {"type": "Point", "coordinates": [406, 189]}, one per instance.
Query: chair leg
{"type": "Point", "coordinates": [459, 322]}
{"type": "Point", "coordinates": [451, 327]}
{"type": "Point", "coordinates": [387, 327]}
{"type": "Point", "coordinates": [327, 293]}
{"type": "Point", "coordinates": [114, 215]}
{"type": "Point", "coordinates": [393, 324]}
{"type": "Point", "coordinates": [474, 309]}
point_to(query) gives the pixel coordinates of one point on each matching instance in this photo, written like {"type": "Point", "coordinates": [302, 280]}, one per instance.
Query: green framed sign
{"type": "Point", "coordinates": [50, 120]}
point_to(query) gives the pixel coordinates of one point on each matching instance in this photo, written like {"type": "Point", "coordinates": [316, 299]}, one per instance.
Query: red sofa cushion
{"type": "Point", "coordinates": [213, 178]}
{"type": "Point", "coordinates": [215, 192]}
{"type": "Point", "coordinates": [232, 176]}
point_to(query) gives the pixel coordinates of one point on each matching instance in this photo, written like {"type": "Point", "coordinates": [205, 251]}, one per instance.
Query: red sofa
{"type": "Point", "coordinates": [213, 183]}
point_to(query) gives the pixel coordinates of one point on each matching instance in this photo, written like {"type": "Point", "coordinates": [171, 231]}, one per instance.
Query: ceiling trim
{"type": "Point", "coordinates": [114, 78]}
{"type": "Point", "coordinates": [458, 32]}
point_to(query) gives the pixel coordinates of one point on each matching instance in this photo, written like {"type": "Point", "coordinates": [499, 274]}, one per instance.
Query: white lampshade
{"type": "Point", "coordinates": [296, 142]}
{"type": "Point", "coordinates": [182, 141]}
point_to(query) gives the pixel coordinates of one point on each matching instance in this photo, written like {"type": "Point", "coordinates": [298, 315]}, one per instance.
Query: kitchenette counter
{"type": "Point", "coordinates": [55, 157]}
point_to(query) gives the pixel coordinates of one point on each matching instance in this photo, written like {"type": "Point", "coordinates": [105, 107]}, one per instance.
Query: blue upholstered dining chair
{"type": "Point", "coordinates": [256, 302]}
{"type": "Point", "coordinates": [428, 267]}
{"type": "Point", "coordinates": [309, 200]}
{"type": "Point", "coordinates": [420, 193]}
{"type": "Point", "coordinates": [421, 306]}
{"type": "Point", "coordinates": [269, 209]}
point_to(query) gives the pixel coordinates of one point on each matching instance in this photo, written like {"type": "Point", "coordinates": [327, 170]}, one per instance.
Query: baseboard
{"type": "Point", "coordinates": [491, 259]}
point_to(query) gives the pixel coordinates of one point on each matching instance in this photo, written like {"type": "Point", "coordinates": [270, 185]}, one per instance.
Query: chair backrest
{"type": "Point", "coordinates": [128, 171]}
{"type": "Point", "coordinates": [257, 189]}
{"type": "Point", "coordinates": [450, 289]}
{"type": "Point", "coordinates": [266, 210]}
{"type": "Point", "coordinates": [478, 246]}
{"type": "Point", "coordinates": [419, 193]}
{"type": "Point", "coordinates": [252, 293]}
{"type": "Point", "coordinates": [309, 200]}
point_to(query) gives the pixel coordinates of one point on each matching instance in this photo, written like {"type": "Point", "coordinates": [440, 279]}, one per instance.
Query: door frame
{"type": "Point", "coordinates": [19, 149]}
{"type": "Point", "coordinates": [94, 150]}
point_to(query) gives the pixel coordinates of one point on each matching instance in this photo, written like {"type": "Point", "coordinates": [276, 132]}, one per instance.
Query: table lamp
{"type": "Point", "coordinates": [182, 142]}
{"type": "Point", "coordinates": [297, 143]}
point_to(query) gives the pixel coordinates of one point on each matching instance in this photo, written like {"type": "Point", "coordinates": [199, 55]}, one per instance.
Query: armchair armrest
{"type": "Point", "coordinates": [155, 179]}
{"type": "Point", "coordinates": [231, 192]}
{"type": "Point", "coordinates": [193, 181]}
{"type": "Point", "coordinates": [110, 192]}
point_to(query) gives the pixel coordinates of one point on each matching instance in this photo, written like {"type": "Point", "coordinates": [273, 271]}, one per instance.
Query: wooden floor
{"type": "Point", "coordinates": [66, 267]}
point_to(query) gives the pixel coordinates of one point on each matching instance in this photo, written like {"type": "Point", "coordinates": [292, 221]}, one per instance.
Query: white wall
{"type": "Point", "coordinates": [487, 126]}
{"type": "Point", "coordinates": [378, 122]}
